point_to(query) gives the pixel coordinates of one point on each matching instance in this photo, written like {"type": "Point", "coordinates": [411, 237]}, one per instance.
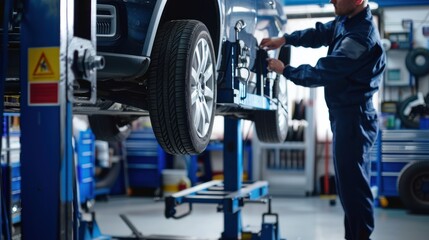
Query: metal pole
{"type": "Point", "coordinates": [233, 170]}
{"type": "Point", "coordinates": [46, 151]}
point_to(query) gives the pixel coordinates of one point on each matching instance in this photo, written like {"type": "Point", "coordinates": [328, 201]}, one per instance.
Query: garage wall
{"type": "Point", "coordinates": [392, 18]}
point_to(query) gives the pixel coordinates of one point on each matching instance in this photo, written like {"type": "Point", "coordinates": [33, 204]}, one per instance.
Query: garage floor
{"type": "Point", "coordinates": [307, 218]}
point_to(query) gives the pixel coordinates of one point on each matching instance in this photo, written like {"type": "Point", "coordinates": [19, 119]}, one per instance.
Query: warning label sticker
{"type": "Point", "coordinates": [44, 64]}
{"type": "Point", "coordinates": [46, 94]}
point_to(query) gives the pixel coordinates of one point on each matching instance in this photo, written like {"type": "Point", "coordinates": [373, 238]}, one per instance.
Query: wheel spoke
{"type": "Point", "coordinates": [194, 85]}
{"type": "Point", "coordinates": [205, 116]}
{"type": "Point", "coordinates": [205, 55]}
{"type": "Point", "coordinates": [194, 76]}
{"type": "Point", "coordinates": [198, 58]}
{"type": "Point", "coordinates": [208, 73]}
{"type": "Point", "coordinates": [194, 95]}
{"type": "Point", "coordinates": [197, 116]}
{"type": "Point", "coordinates": [208, 94]}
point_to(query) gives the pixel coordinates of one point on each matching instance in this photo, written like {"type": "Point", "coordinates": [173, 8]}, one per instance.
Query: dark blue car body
{"type": "Point", "coordinates": [182, 62]}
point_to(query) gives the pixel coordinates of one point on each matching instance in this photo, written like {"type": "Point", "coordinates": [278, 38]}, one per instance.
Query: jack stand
{"type": "Point", "coordinates": [269, 229]}
{"type": "Point", "coordinates": [88, 229]}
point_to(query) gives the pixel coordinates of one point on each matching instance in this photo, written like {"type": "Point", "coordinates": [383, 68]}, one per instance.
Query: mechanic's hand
{"type": "Point", "coordinates": [272, 43]}
{"type": "Point", "coordinates": [275, 65]}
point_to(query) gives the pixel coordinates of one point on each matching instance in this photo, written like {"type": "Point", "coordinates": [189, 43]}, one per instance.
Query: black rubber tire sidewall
{"type": "Point", "coordinates": [406, 180]}
{"type": "Point", "coordinates": [169, 90]}
{"type": "Point", "coordinates": [267, 123]}
{"type": "Point", "coordinates": [412, 66]}
{"type": "Point", "coordinates": [268, 128]}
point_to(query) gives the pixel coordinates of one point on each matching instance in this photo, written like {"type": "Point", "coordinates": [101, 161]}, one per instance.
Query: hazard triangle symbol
{"type": "Point", "coordinates": [43, 68]}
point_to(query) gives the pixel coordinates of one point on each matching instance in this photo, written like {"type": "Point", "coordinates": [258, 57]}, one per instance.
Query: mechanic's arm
{"type": "Point", "coordinates": [328, 70]}
{"type": "Point", "coordinates": [340, 65]}
{"type": "Point", "coordinates": [350, 57]}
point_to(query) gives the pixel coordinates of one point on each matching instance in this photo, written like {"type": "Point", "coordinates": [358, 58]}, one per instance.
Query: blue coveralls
{"type": "Point", "coordinates": [351, 73]}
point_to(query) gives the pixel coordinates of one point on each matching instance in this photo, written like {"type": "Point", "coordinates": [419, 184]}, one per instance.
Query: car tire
{"type": "Point", "coordinates": [413, 186]}
{"type": "Point", "coordinates": [417, 62]}
{"type": "Point", "coordinates": [182, 87]}
{"type": "Point", "coordinates": [272, 126]}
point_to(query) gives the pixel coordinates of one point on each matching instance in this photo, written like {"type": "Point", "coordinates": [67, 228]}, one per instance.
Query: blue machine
{"type": "Point", "coordinates": [53, 43]}
{"type": "Point", "coordinates": [231, 194]}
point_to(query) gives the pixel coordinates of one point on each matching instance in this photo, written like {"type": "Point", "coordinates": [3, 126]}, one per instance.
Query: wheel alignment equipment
{"type": "Point", "coordinates": [231, 194]}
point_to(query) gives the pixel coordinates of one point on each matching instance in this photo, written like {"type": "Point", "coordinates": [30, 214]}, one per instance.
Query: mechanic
{"type": "Point", "coordinates": [351, 74]}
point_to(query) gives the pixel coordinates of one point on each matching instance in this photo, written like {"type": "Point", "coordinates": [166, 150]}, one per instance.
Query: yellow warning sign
{"type": "Point", "coordinates": [44, 64]}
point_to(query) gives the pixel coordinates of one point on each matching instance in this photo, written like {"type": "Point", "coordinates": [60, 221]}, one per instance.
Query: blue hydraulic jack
{"type": "Point", "coordinates": [269, 229]}
{"type": "Point", "coordinates": [88, 229]}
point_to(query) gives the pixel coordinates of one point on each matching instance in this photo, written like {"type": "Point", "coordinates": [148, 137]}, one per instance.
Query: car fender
{"type": "Point", "coordinates": [156, 20]}
{"type": "Point", "coordinates": [153, 27]}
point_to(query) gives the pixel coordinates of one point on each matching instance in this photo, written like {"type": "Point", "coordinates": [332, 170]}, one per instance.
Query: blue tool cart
{"type": "Point", "coordinates": [145, 160]}
{"type": "Point", "coordinates": [11, 176]}
{"type": "Point", "coordinates": [85, 152]}
{"type": "Point", "coordinates": [402, 169]}
{"type": "Point", "coordinates": [12, 186]}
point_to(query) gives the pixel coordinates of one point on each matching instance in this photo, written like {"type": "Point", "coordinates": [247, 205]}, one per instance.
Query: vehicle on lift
{"type": "Point", "coordinates": [184, 63]}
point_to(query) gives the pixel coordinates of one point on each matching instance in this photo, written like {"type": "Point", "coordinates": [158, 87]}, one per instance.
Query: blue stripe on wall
{"type": "Point", "coordinates": [381, 3]}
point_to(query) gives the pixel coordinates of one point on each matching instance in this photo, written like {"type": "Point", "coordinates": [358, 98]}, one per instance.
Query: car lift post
{"type": "Point", "coordinates": [46, 158]}
{"type": "Point", "coordinates": [233, 171]}
{"type": "Point", "coordinates": [57, 51]}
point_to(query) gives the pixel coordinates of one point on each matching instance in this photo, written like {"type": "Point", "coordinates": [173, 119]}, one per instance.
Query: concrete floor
{"type": "Point", "coordinates": [306, 218]}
